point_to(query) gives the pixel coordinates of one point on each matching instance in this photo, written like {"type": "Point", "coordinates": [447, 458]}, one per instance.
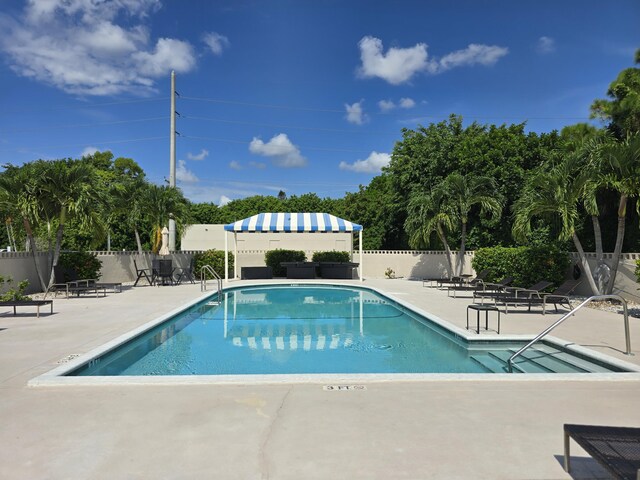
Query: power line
{"type": "Point", "coordinates": [273, 125]}
{"type": "Point", "coordinates": [82, 125]}
{"type": "Point", "coordinates": [84, 144]}
{"type": "Point", "coordinates": [85, 105]}
{"type": "Point", "coordinates": [225, 140]}
{"type": "Point", "coordinates": [261, 105]}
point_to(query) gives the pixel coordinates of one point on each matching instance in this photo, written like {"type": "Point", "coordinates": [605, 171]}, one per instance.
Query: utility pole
{"type": "Point", "coordinates": [172, 159]}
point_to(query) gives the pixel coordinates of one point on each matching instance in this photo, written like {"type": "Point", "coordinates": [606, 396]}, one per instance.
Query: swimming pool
{"type": "Point", "coordinates": [316, 329]}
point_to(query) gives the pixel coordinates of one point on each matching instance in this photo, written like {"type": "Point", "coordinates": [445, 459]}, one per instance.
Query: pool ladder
{"type": "Point", "coordinates": [564, 317]}
{"type": "Point", "coordinates": [203, 279]}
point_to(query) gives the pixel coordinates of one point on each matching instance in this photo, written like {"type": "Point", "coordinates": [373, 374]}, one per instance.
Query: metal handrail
{"type": "Point", "coordinates": [588, 300]}
{"type": "Point", "coordinates": [203, 278]}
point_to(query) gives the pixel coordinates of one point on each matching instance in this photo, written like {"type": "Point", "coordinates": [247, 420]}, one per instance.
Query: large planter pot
{"type": "Point", "coordinates": [255, 273]}
{"type": "Point", "coordinates": [337, 270]}
{"type": "Point", "coordinates": [300, 269]}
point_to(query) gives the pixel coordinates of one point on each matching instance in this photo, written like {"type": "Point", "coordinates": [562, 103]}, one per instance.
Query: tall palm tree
{"type": "Point", "coordinates": [458, 194]}
{"type": "Point", "coordinates": [19, 193]}
{"type": "Point", "coordinates": [69, 190]}
{"type": "Point", "coordinates": [159, 204]}
{"type": "Point", "coordinates": [424, 218]}
{"type": "Point", "coordinates": [623, 159]}
{"type": "Point", "coordinates": [554, 194]}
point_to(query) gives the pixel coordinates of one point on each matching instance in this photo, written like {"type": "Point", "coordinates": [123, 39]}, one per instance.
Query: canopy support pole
{"type": "Point", "coordinates": [226, 256]}
{"type": "Point", "coordinates": [360, 246]}
{"type": "Point", "coordinates": [235, 255]}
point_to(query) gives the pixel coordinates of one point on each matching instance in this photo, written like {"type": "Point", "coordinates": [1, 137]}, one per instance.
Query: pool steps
{"type": "Point", "coordinates": [541, 359]}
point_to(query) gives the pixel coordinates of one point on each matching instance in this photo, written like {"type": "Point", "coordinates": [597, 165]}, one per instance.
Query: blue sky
{"type": "Point", "coordinates": [300, 96]}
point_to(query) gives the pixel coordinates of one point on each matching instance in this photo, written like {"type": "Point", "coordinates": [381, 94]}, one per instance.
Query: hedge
{"type": "Point", "coordinates": [331, 256]}
{"type": "Point", "coordinates": [527, 265]}
{"type": "Point", "coordinates": [214, 258]}
{"type": "Point", "coordinates": [86, 265]}
{"type": "Point", "coordinates": [273, 259]}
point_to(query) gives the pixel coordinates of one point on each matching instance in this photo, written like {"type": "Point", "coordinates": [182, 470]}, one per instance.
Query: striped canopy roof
{"type": "Point", "coordinates": [293, 222]}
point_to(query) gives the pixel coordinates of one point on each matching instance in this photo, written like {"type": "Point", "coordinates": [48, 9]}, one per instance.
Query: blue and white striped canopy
{"type": "Point", "coordinates": [293, 222]}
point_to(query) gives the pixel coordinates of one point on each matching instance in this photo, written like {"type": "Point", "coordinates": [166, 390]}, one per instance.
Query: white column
{"type": "Point", "coordinates": [226, 256]}
{"type": "Point", "coordinates": [235, 256]}
{"type": "Point", "coordinates": [360, 245]}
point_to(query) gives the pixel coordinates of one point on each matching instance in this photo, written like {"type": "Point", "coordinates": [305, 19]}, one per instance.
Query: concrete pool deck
{"type": "Point", "coordinates": [453, 429]}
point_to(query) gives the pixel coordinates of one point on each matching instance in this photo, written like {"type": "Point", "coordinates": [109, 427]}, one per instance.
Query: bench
{"type": "Point", "coordinates": [615, 448]}
{"type": "Point", "coordinates": [27, 303]}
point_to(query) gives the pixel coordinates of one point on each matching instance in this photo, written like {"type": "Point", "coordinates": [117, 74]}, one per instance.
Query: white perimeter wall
{"type": "Point", "coordinates": [119, 267]}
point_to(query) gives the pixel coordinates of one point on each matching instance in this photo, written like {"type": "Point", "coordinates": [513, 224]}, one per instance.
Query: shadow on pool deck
{"type": "Point", "coordinates": [437, 429]}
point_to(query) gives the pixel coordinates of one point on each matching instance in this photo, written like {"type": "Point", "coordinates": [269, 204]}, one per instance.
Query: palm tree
{"type": "Point", "coordinates": [554, 194]}
{"type": "Point", "coordinates": [69, 190]}
{"type": "Point", "coordinates": [19, 194]}
{"type": "Point", "coordinates": [159, 203]}
{"type": "Point", "coordinates": [458, 194]}
{"type": "Point", "coordinates": [623, 159]}
{"type": "Point", "coordinates": [424, 218]}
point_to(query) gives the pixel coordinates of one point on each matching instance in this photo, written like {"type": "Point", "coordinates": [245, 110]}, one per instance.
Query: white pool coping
{"type": "Point", "coordinates": [56, 377]}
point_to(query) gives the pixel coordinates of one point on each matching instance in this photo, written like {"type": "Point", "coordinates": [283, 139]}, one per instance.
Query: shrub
{"type": "Point", "coordinates": [84, 264]}
{"type": "Point", "coordinates": [331, 256]}
{"type": "Point", "coordinates": [215, 259]}
{"type": "Point", "coordinates": [12, 293]}
{"type": "Point", "coordinates": [527, 265]}
{"type": "Point", "coordinates": [638, 271]}
{"type": "Point", "coordinates": [273, 258]}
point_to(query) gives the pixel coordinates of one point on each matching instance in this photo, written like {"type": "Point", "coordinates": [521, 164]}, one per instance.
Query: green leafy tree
{"type": "Point", "coordinates": [623, 158]}
{"type": "Point", "coordinates": [20, 196]}
{"type": "Point", "coordinates": [623, 107]}
{"type": "Point", "coordinates": [68, 191]}
{"type": "Point", "coordinates": [159, 204]}
{"type": "Point", "coordinates": [554, 194]}
{"type": "Point", "coordinates": [425, 217]}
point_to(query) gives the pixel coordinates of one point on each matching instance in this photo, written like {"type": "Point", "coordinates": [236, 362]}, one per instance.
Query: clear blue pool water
{"type": "Point", "coordinates": [312, 329]}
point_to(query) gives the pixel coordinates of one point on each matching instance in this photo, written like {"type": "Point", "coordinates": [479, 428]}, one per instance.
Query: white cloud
{"type": "Point", "coordinates": [280, 149]}
{"type": "Point", "coordinates": [373, 163]}
{"type": "Point", "coordinates": [486, 55]}
{"type": "Point", "coordinates": [199, 156]}
{"type": "Point", "coordinates": [407, 103]}
{"type": "Point", "coordinates": [216, 42]}
{"type": "Point", "coordinates": [88, 151]}
{"type": "Point", "coordinates": [235, 165]}
{"type": "Point", "coordinates": [546, 45]}
{"type": "Point", "coordinates": [386, 105]}
{"type": "Point", "coordinates": [185, 175]}
{"type": "Point", "coordinates": [77, 46]}
{"type": "Point", "coordinates": [355, 113]}
{"type": "Point", "coordinates": [223, 200]}
{"type": "Point", "coordinates": [399, 65]}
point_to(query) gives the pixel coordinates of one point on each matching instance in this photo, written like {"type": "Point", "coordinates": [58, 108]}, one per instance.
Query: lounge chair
{"type": "Point", "coordinates": [617, 449]}
{"type": "Point", "coordinates": [146, 273]}
{"type": "Point", "coordinates": [465, 284]}
{"type": "Point", "coordinates": [67, 281]}
{"type": "Point", "coordinates": [559, 296]}
{"type": "Point", "coordinates": [27, 303]}
{"type": "Point", "coordinates": [519, 296]}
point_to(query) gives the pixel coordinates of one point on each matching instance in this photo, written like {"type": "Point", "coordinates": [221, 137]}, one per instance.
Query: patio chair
{"type": "Point", "coordinates": [186, 273]}
{"type": "Point", "coordinates": [617, 449]}
{"type": "Point", "coordinates": [163, 270]}
{"type": "Point", "coordinates": [146, 273]}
